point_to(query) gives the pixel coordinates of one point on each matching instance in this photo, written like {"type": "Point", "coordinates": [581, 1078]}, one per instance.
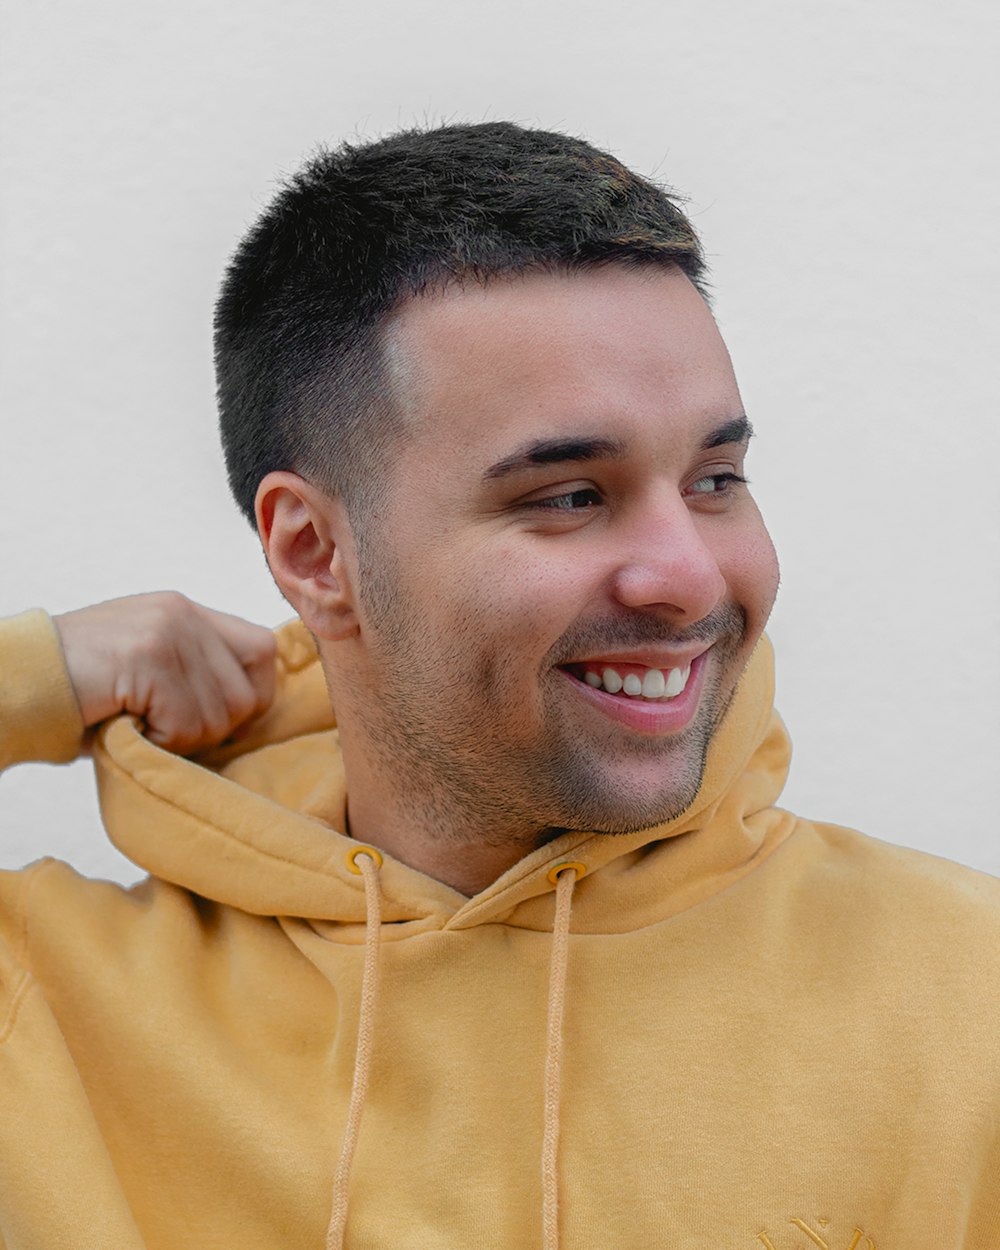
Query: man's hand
{"type": "Point", "coordinates": [191, 674]}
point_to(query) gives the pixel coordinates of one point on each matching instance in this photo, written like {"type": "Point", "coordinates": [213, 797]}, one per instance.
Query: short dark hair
{"type": "Point", "coordinates": [302, 380]}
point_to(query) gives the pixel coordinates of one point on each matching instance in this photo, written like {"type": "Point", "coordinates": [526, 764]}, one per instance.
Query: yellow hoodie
{"type": "Point", "coordinates": [775, 1033]}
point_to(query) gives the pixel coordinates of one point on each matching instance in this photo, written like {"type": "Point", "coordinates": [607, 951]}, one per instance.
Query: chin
{"type": "Point", "coordinates": [625, 803]}
{"type": "Point", "coordinates": [635, 819]}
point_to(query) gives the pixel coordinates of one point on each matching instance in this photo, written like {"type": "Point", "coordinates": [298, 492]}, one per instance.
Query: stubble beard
{"type": "Point", "coordinates": [582, 775]}
{"type": "Point", "coordinates": [514, 794]}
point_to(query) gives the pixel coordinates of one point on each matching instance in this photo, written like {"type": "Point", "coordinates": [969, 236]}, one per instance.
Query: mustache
{"type": "Point", "coordinates": [726, 623]}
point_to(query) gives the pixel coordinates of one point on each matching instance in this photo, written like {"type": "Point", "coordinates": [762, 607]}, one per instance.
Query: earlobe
{"type": "Point", "coordinates": [306, 538]}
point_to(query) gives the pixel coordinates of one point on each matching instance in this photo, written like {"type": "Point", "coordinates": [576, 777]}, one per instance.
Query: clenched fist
{"type": "Point", "coordinates": [193, 675]}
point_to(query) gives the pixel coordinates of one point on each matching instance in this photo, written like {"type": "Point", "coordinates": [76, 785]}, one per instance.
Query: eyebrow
{"type": "Point", "coordinates": [575, 450]}
{"type": "Point", "coordinates": [556, 451]}
{"type": "Point", "coordinates": [739, 430]}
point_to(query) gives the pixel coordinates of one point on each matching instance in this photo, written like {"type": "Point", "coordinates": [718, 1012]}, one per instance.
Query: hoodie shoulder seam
{"type": "Point", "coordinates": [29, 879]}
{"type": "Point", "coordinates": [24, 983]}
{"type": "Point", "coordinates": [24, 979]}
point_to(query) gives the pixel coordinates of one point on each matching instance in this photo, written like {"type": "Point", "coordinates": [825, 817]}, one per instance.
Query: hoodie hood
{"type": "Point", "coordinates": [257, 824]}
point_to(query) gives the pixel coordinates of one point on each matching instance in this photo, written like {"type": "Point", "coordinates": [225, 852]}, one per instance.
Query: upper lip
{"type": "Point", "coordinates": [648, 657]}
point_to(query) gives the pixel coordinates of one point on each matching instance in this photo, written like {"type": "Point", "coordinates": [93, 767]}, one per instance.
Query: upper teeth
{"type": "Point", "coordinates": [654, 684]}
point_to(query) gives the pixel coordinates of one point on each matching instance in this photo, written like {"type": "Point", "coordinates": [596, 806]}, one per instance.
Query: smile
{"type": "Point", "coordinates": [650, 700]}
{"type": "Point", "coordinates": [638, 682]}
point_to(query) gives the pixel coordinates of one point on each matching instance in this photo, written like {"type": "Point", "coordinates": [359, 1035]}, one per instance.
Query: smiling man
{"type": "Point", "coordinates": [554, 620]}
{"type": "Point", "coordinates": [513, 947]}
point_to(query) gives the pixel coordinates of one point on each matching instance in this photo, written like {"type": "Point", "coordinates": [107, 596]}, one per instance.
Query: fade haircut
{"type": "Point", "coordinates": [303, 377]}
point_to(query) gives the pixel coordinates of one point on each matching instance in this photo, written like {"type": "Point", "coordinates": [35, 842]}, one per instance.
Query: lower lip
{"type": "Point", "coordinates": [648, 716]}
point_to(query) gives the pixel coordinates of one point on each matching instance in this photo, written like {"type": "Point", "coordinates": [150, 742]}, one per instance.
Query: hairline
{"type": "Point", "coordinates": [398, 368]}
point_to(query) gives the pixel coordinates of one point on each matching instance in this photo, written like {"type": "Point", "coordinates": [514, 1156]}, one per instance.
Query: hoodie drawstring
{"type": "Point", "coordinates": [366, 861]}
{"type": "Point", "coordinates": [565, 877]}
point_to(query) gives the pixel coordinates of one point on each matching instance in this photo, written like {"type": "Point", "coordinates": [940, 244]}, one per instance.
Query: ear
{"type": "Point", "coordinates": [307, 542]}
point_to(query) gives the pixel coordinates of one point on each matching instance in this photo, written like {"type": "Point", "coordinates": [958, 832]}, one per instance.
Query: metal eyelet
{"type": "Point", "coordinates": [567, 865]}
{"type": "Point", "coordinates": [355, 851]}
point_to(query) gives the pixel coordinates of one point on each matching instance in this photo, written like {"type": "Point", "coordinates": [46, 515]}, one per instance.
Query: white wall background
{"type": "Point", "coordinates": [841, 160]}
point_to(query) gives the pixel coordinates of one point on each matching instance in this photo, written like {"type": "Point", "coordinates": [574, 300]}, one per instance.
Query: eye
{"type": "Point", "coordinates": [717, 484]}
{"type": "Point", "coordinates": [572, 501]}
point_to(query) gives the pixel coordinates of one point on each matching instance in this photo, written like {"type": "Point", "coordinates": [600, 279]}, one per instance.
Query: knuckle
{"type": "Point", "coordinates": [162, 618]}
{"type": "Point", "coordinates": [242, 704]}
{"type": "Point", "coordinates": [166, 604]}
{"type": "Point", "coordinates": [263, 648]}
{"type": "Point", "coordinates": [153, 645]}
{"type": "Point", "coordinates": [268, 652]}
{"type": "Point", "coordinates": [216, 727]}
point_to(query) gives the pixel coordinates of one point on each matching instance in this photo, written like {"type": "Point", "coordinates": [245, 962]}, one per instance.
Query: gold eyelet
{"type": "Point", "coordinates": [354, 852]}
{"type": "Point", "coordinates": [567, 865]}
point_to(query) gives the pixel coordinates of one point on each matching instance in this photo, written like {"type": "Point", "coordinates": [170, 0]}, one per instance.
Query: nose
{"type": "Point", "coordinates": [666, 561]}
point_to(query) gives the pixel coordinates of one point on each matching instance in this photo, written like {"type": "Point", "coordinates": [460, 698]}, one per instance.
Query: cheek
{"type": "Point", "coordinates": [749, 564]}
{"type": "Point", "coordinates": [754, 575]}
{"type": "Point", "coordinates": [511, 609]}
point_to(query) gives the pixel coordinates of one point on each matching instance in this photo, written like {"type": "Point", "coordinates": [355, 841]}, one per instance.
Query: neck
{"type": "Point", "coordinates": [429, 828]}
{"type": "Point", "coordinates": [467, 864]}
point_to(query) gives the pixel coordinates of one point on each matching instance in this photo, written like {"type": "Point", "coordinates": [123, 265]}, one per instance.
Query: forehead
{"type": "Point", "coordinates": [610, 351]}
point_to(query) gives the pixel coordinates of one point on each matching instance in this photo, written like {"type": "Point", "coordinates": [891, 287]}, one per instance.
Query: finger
{"type": "Point", "coordinates": [225, 693]}
{"type": "Point", "coordinates": [170, 706]}
{"type": "Point", "coordinates": [254, 647]}
{"type": "Point", "coordinates": [207, 695]}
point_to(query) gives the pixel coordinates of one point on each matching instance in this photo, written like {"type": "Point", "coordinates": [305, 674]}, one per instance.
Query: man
{"type": "Point", "coordinates": [521, 953]}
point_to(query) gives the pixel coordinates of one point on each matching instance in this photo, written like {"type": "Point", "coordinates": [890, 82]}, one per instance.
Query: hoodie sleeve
{"type": "Point", "coordinates": [39, 716]}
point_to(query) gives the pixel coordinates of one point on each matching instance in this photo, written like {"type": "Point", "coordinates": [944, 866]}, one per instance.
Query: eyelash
{"type": "Point", "coordinates": [556, 503]}
{"type": "Point", "coordinates": [725, 479]}
{"type": "Point", "coordinates": [559, 503]}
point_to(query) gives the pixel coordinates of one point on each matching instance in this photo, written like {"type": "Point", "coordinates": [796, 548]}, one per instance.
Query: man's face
{"type": "Point", "coordinates": [563, 523]}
